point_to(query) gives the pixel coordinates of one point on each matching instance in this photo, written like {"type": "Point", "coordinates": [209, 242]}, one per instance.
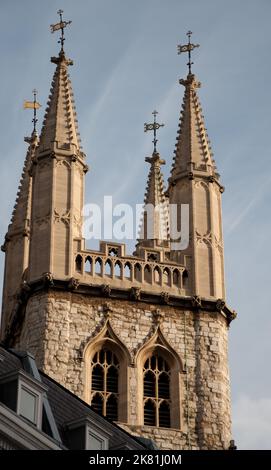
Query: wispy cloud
{"type": "Point", "coordinates": [258, 195]}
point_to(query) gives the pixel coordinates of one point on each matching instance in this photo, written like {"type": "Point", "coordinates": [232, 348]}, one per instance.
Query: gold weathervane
{"type": "Point", "coordinates": [154, 126]}
{"type": "Point", "coordinates": [60, 26]}
{"type": "Point", "coordinates": [33, 105]}
{"type": "Point", "coordinates": [188, 48]}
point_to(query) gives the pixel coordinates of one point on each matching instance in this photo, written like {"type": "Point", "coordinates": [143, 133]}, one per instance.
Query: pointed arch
{"type": "Point", "coordinates": [176, 278]}
{"type": "Point", "coordinates": [166, 277]}
{"type": "Point", "coordinates": [88, 265]}
{"type": "Point", "coordinates": [98, 267]}
{"type": "Point", "coordinates": [106, 360]}
{"type": "Point", "coordinates": [185, 279]}
{"type": "Point", "coordinates": [159, 370]}
{"type": "Point", "coordinates": [159, 341]}
{"type": "Point", "coordinates": [157, 275]}
{"type": "Point", "coordinates": [108, 267]}
{"type": "Point", "coordinates": [127, 270]}
{"type": "Point", "coordinates": [118, 269]}
{"type": "Point", "coordinates": [147, 274]}
{"type": "Point", "coordinates": [138, 272]}
{"type": "Point", "coordinates": [78, 264]}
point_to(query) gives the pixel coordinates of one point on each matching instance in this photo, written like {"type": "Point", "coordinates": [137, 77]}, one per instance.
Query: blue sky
{"type": "Point", "coordinates": [125, 65]}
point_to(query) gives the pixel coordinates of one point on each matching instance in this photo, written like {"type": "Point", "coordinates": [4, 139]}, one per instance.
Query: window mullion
{"type": "Point", "coordinates": [157, 397]}
{"type": "Point", "coordinates": [104, 390]}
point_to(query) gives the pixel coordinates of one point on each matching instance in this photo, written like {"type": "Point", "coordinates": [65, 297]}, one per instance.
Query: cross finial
{"type": "Point", "coordinates": [60, 26]}
{"type": "Point", "coordinates": [154, 126]}
{"type": "Point", "coordinates": [188, 48]}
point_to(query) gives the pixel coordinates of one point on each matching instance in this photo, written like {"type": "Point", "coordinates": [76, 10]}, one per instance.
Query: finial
{"type": "Point", "coordinates": [33, 105]}
{"type": "Point", "coordinates": [188, 48]}
{"type": "Point", "coordinates": [154, 126]}
{"type": "Point", "coordinates": [61, 25]}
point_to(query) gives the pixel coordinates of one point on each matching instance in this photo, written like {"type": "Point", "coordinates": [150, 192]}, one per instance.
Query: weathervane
{"type": "Point", "coordinates": [188, 48]}
{"type": "Point", "coordinates": [33, 105]}
{"type": "Point", "coordinates": [61, 25]}
{"type": "Point", "coordinates": [154, 126]}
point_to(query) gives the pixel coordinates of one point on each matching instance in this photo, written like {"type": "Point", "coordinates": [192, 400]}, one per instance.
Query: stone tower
{"type": "Point", "coordinates": [142, 338]}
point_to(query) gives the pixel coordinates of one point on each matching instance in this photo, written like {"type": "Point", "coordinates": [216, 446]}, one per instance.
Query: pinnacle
{"type": "Point", "coordinates": [155, 196]}
{"type": "Point", "coordinates": [60, 121]}
{"type": "Point", "coordinates": [192, 142]}
{"type": "Point", "coordinates": [155, 185]}
{"type": "Point", "coordinates": [21, 212]}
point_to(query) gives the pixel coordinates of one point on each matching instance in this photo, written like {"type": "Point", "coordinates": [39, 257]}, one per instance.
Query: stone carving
{"type": "Point", "coordinates": [165, 298]}
{"type": "Point", "coordinates": [107, 310]}
{"type": "Point", "coordinates": [201, 185]}
{"type": "Point", "coordinates": [42, 221]}
{"type": "Point", "coordinates": [48, 279]}
{"type": "Point", "coordinates": [106, 290]}
{"type": "Point", "coordinates": [152, 257]}
{"type": "Point", "coordinates": [196, 301]}
{"type": "Point", "coordinates": [218, 243]}
{"type": "Point", "coordinates": [220, 304]}
{"type": "Point", "coordinates": [61, 162]}
{"type": "Point", "coordinates": [64, 217]}
{"type": "Point", "coordinates": [233, 315]}
{"type": "Point", "coordinates": [135, 293]}
{"type": "Point", "coordinates": [157, 316]}
{"type": "Point", "coordinates": [203, 238]}
{"type": "Point", "coordinates": [73, 283]}
{"type": "Point", "coordinates": [25, 287]}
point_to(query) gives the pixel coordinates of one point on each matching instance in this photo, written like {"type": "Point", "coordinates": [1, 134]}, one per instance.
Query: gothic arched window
{"type": "Point", "coordinates": [78, 263]}
{"type": "Point", "coordinates": [156, 376]}
{"type": "Point", "coordinates": [105, 383]}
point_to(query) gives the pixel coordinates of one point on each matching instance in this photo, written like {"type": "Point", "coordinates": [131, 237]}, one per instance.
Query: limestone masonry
{"type": "Point", "coordinates": [142, 337]}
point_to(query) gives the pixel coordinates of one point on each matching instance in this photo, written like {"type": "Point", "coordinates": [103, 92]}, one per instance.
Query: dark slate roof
{"type": "Point", "coordinates": [67, 407]}
{"type": "Point", "coordinates": [9, 362]}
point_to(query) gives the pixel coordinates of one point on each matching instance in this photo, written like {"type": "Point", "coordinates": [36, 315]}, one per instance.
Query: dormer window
{"type": "Point", "coordinates": [29, 404]}
{"type": "Point", "coordinates": [24, 395]}
{"type": "Point", "coordinates": [88, 433]}
{"type": "Point", "coordinates": [96, 440]}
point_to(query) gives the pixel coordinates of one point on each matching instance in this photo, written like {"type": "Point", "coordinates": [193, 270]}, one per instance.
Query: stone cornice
{"type": "Point", "coordinates": [198, 175]}
{"type": "Point", "coordinates": [48, 283]}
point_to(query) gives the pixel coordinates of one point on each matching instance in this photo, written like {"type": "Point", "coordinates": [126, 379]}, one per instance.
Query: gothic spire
{"type": "Point", "coordinates": [154, 230]}
{"type": "Point", "coordinates": [193, 149]}
{"type": "Point", "coordinates": [60, 120]}
{"type": "Point", "coordinates": [21, 213]}
{"type": "Point", "coordinates": [20, 219]}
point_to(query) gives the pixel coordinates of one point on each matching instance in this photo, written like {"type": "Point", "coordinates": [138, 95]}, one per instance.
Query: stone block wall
{"type": "Point", "coordinates": [59, 326]}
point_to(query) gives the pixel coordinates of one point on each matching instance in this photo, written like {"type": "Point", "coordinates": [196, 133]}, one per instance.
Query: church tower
{"type": "Point", "coordinates": [142, 337]}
